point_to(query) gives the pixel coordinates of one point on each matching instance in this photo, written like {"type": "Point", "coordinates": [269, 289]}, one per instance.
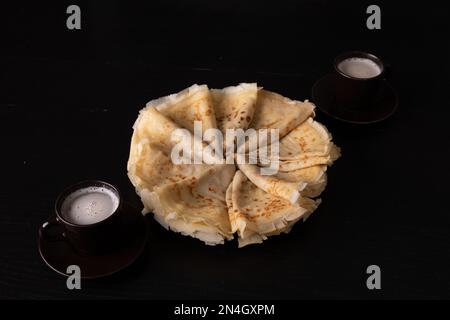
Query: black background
{"type": "Point", "coordinates": [68, 100]}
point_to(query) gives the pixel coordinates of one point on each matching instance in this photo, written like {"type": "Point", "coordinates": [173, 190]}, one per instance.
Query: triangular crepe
{"type": "Point", "coordinates": [314, 177]}
{"type": "Point", "coordinates": [310, 138]}
{"type": "Point", "coordinates": [185, 107]}
{"type": "Point", "coordinates": [234, 106]}
{"type": "Point", "coordinates": [256, 214]}
{"type": "Point", "coordinates": [196, 207]}
{"type": "Point", "coordinates": [150, 162]}
{"type": "Point", "coordinates": [309, 144]}
{"type": "Point", "coordinates": [289, 190]}
{"type": "Point", "coordinates": [274, 111]}
{"type": "Point", "coordinates": [306, 182]}
{"type": "Point", "coordinates": [278, 112]}
{"type": "Point", "coordinates": [307, 160]}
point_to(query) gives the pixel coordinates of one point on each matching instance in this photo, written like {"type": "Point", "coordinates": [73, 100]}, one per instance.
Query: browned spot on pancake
{"type": "Point", "coordinates": [302, 143]}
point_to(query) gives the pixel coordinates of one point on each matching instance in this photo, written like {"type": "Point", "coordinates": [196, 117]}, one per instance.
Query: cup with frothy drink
{"type": "Point", "coordinates": [359, 79]}
{"type": "Point", "coordinates": [87, 216]}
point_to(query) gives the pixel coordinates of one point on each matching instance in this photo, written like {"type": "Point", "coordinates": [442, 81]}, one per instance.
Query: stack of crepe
{"type": "Point", "coordinates": [212, 202]}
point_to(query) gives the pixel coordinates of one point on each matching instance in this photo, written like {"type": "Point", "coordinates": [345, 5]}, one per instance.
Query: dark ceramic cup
{"type": "Point", "coordinates": [354, 92]}
{"type": "Point", "coordinates": [96, 238]}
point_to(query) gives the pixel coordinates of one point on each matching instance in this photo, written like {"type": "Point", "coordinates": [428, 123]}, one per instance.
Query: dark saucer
{"type": "Point", "coordinates": [380, 108]}
{"type": "Point", "coordinates": [59, 255]}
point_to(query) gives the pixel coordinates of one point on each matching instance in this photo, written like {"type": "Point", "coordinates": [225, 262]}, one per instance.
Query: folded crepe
{"type": "Point", "coordinates": [274, 111]}
{"type": "Point", "coordinates": [150, 163]}
{"type": "Point", "coordinates": [308, 160]}
{"type": "Point", "coordinates": [187, 106]}
{"type": "Point", "coordinates": [195, 207]}
{"type": "Point", "coordinates": [310, 138]}
{"type": "Point", "coordinates": [307, 182]}
{"type": "Point", "coordinates": [273, 184]}
{"type": "Point", "coordinates": [234, 106]}
{"type": "Point", "coordinates": [315, 179]}
{"type": "Point", "coordinates": [309, 144]}
{"type": "Point", "coordinates": [255, 214]}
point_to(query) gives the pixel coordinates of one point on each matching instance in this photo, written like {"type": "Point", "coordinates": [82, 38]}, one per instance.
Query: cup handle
{"type": "Point", "coordinates": [52, 231]}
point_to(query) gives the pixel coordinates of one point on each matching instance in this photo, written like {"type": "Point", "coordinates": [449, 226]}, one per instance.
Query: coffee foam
{"type": "Point", "coordinates": [89, 205]}
{"type": "Point", "coordinates": [362, 68]}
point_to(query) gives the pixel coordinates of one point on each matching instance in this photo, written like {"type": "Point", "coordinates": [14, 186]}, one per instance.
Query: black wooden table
{"type": "Point", "coordinates": [68, 100]}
